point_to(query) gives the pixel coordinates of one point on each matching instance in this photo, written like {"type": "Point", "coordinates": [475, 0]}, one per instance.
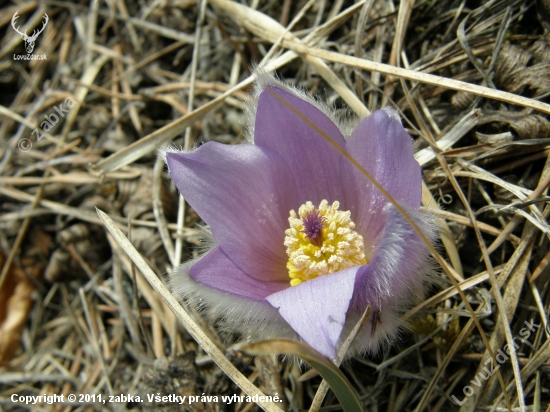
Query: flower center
{"type": "Point", "coordinates": [321, 241]}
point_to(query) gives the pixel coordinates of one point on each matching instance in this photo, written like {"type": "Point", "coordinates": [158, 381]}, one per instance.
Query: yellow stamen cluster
{"type": "Point", "coordinates": [336, 247]}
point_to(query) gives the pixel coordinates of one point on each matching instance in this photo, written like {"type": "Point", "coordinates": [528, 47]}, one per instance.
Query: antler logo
{"type": "Point", "coordinates": [29, 40]}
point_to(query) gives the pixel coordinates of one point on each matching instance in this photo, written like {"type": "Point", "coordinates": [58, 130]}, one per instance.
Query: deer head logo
{"type": "Point", "coordinates": [29, 40]}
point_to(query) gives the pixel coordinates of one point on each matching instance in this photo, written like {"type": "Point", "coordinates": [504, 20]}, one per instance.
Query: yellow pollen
{"type": "Point", "coordinates": [321, 241]}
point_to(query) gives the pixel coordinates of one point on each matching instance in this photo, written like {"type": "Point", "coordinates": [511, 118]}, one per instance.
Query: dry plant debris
{"type": "Point", "coordinates": [80, 128]}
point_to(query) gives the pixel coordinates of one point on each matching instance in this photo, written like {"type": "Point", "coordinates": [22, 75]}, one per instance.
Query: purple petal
{"type": "Point", "coordinates": [399, 266]}
{"type": "Point", "coordinates": [217, 271]}
{"type": "Point", "coordinates": [244, 193]}
{"type": "Point", "coordinates": [317, 309]}
{"type": "Point", "coordinates": [313, 162]}
{"type": "Point", "coordinates": [383, 147]}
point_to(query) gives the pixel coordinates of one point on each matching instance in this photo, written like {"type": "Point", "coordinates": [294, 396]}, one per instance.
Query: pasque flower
{"type": "Point", "coordinates": [303, 240]}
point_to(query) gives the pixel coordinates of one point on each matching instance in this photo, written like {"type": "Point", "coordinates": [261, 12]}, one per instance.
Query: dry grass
{"type": "Point", "coordinates": [83, 311]}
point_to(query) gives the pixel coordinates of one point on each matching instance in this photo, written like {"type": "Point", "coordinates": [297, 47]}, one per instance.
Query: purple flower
{"type": "Point", "coordinates": [304, 242]}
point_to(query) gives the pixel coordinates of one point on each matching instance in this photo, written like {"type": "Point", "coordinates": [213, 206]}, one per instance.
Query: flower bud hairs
{"type": "Point", "coordinates": [304, 242]}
